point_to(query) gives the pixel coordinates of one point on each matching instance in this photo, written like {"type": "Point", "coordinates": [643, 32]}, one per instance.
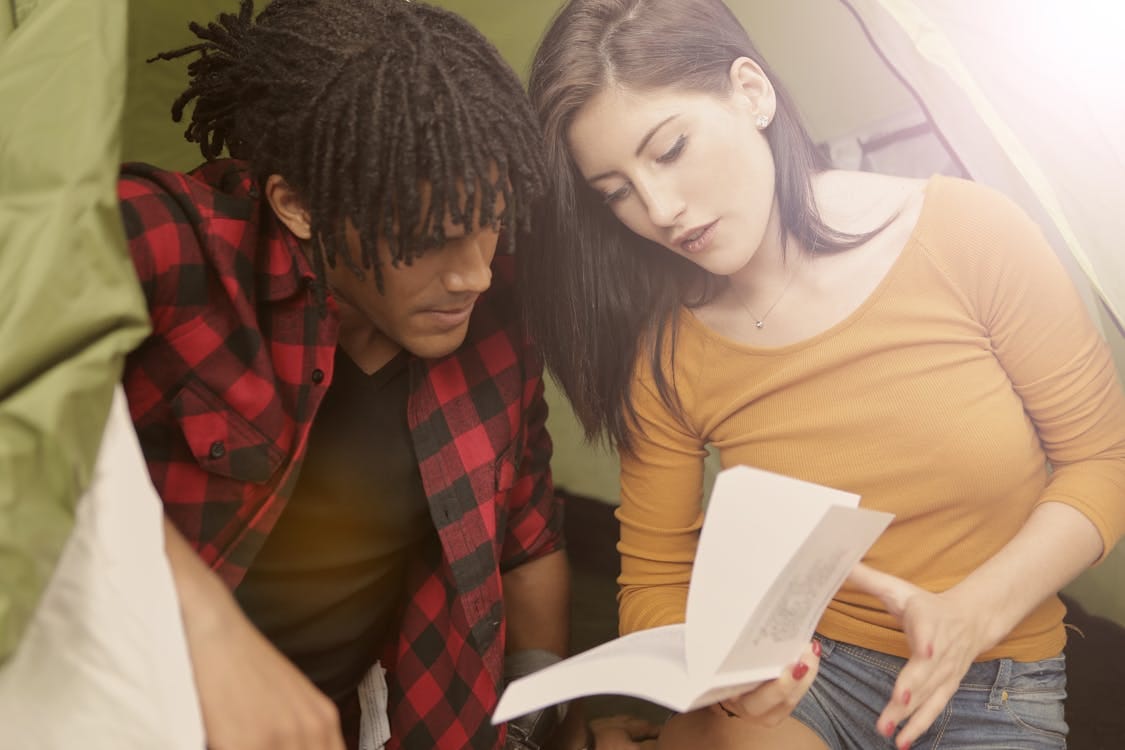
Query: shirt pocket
{"type": "Point", "coordinates": [507, 466]}
{"type": "Point", "coordinates": [223, 441]}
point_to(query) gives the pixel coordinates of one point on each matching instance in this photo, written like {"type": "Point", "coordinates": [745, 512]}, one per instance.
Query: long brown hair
{"type": "Point", "coordinates": [599, 293]}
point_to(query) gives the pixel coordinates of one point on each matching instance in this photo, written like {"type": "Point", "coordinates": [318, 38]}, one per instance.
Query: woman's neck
{"type": "Point", "coordinates": [772, 265]}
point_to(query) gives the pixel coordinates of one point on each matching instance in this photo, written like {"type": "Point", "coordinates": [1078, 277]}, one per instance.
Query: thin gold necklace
{"type": "Point", "coordinates": [760, 321]}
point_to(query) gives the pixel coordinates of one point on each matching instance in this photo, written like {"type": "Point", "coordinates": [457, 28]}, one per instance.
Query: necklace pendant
{"type": "Point", "coordinates": [759, 323]}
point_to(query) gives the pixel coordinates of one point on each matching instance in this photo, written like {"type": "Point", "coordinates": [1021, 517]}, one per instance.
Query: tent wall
{"type": "Point", "coordinates": [838, 100]}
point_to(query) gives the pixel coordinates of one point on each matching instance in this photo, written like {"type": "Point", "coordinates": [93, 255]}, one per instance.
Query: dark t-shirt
{"type": "Point", "coordinates": [326, 586]}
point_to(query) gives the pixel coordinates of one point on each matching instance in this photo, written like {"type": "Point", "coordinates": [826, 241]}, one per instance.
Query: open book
{"type": "Point", "coordinates": [772, 553]}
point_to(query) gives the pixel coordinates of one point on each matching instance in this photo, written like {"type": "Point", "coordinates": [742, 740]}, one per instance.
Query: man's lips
{"type": "Point", "coordinates": [451, 316]}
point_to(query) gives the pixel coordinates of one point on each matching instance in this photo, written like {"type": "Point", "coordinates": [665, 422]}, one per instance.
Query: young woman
{"type": "Point", "coordinates": [704, 280]}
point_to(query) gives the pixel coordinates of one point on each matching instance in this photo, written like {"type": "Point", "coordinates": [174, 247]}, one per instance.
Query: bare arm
{"type": "Point", "coordinates": [537, 601]}
{"type": "Point", "coordinates": [252, 697]}
{"type": "Point", "coordinates": [1055, 545]}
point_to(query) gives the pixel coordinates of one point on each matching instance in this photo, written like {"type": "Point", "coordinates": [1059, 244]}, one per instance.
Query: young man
{"type": "Point", "coordinates": [338, 405]}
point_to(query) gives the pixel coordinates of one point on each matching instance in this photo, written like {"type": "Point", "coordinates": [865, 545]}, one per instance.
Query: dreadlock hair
{"type": "Point", "coordinates": [364, 107]}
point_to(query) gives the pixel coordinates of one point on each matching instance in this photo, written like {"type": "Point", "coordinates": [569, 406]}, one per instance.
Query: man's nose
{"type": "Point", "coordinates": [469, 264]}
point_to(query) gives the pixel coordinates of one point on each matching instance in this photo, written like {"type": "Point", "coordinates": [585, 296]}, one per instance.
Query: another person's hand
{"type": "Point", "coordinates": [252, 697]}
{"type": "Point", "coordinates": [772, 702]}
{"type": "Point", "coordinates": [944, 635]}
{"type": "Point", "coordinates": [623, 732]}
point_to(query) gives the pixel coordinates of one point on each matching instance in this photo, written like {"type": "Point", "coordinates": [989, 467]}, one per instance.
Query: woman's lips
{"type": "Point", "coordinates": [700, 239]}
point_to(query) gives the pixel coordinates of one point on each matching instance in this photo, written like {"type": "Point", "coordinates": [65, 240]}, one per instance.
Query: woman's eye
{"type": "Point", "coordinates": [619, 194]}
{"type": "Point", "coordinates": [673, 153]}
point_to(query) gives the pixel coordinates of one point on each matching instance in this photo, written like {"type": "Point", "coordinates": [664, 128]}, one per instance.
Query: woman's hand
{"type": "Point", "coordinates": [772, 702]}
{"type": "Point", "coordinates": [945, 636]}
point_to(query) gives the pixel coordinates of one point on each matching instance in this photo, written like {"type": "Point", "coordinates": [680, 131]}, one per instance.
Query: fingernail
{"type": "Point", "coordinates": [816, 648]}
{"type": "Point", "coordinates": [800, 670]}
{"type": "Point", "coordinates": [888, 728]}
{"type": "Point", "coordinates": [929, 650]}
{"type": "Point", "coordinates": [904, 746]}
{"type": "Point", "coordinates": [906, 697]}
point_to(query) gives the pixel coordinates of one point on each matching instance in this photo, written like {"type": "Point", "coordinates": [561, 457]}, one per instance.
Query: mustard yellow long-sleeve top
{"type": "Point", "coordinates": [941, 399]}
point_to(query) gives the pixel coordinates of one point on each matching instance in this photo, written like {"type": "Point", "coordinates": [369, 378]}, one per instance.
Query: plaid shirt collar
{"type": "Point", "coordinates": [282, 269]}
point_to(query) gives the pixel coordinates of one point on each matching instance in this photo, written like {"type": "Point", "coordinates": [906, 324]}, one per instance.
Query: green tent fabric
{"type": "Point", "coordinates": [21, 9]}
{"type": "Point", "coordinates": [70, 305]}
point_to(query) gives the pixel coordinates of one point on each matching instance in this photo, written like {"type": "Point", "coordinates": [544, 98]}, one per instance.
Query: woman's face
{"type": "Point", "coordinates": [687, 170]}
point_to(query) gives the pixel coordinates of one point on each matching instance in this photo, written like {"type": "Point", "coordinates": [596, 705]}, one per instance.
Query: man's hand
{"type": "Point", "coordinates": [252, 697]}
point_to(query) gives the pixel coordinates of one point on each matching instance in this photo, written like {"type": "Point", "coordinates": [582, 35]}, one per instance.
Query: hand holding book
{"type": "Point", "coordinates": [772, 553]}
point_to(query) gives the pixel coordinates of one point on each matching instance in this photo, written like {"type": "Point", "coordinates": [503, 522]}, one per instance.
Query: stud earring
{"type": "Point", "coordinates": [762, 122]}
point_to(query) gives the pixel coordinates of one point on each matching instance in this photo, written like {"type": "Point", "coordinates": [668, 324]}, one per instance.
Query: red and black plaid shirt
{"type": "Point", "coordinates": [223, 394]}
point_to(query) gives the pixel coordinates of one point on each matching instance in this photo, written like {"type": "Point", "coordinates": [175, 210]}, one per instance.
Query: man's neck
{"type": "Point", "coordinates": [365, 344]}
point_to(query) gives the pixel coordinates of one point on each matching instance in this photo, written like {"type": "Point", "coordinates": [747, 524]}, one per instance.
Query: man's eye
{"type": "Point", "coordinates": [673, 153]}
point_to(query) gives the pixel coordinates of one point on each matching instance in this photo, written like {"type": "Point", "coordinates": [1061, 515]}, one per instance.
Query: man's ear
{"type": "Point", "coordinates": [288, 206]}
{"type": "Point", "coordinates": [750, 83]}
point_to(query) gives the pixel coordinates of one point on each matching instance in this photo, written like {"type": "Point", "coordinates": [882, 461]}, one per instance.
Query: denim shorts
{"type": "Point", "coordinates": [1001, 704]}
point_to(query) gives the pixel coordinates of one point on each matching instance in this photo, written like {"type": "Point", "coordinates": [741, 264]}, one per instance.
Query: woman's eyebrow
{"type": "Point", "coordinates": [640, 147]}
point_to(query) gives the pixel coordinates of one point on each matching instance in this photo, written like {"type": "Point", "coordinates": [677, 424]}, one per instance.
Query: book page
{"type": "Point", "coordinates": [648, 664]}
{"type": "Point", "coordinates": [783, 622]}
{"type": "Point", "coordinates": [755, 526]}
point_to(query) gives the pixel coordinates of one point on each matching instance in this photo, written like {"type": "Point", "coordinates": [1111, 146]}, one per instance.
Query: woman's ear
{"type": "Point", "coordinates": [749, 83]}
{"type": "Point", "coordinates": [288, 206]}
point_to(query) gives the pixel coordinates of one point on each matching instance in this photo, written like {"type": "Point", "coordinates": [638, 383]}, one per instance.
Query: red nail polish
{"type": "Point", "coordinates": [904, 746]}
{"type": "Point", "coordinates": [906, 697]}
{"type": "Point", "coordinates": [800, 670]}
{"type": "Point", "coordinates": [888, 729]}
{"type": "Point", "coordinates": [816, 648]}
{"type": "Point", "coordinates": [929, 650]}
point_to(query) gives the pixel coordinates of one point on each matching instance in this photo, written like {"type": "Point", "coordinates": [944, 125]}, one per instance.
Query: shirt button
{"type": "Point", "coordinates": [218, 450]}
{"type": "Point", "coordinates": [253, 191]}
{"type": "Point", "coordinates": [318, 376]}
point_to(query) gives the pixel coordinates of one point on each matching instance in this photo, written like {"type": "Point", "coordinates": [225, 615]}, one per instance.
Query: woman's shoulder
{"type": "Point", "coordinates": [941, 211]}
{"type": "Point", "coordinates": [964, 208]}
{"type": "Point", "coordinates": [858, 202]}
{"type": "Point", "coordinates": [973, 232]}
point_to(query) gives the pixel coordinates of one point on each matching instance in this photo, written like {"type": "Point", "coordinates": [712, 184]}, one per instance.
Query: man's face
{"type": "Point", "coordinates": [425, 306]}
